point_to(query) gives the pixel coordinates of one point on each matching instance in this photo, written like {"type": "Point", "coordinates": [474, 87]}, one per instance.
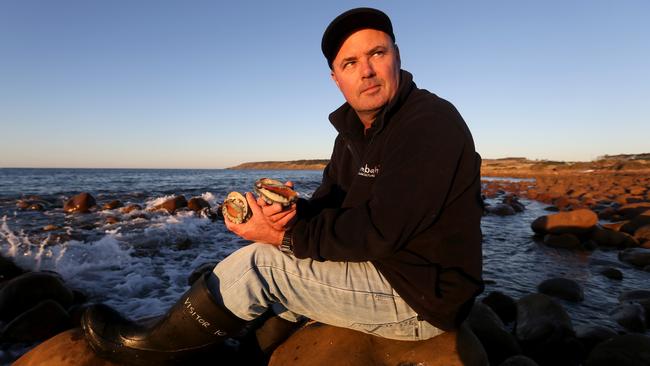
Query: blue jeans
{"type": "Point", "coordinates": [352, 295]}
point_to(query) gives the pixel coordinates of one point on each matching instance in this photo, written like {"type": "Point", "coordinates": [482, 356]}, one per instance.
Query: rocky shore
{"type": "Point", "coordinates": [604, 209]}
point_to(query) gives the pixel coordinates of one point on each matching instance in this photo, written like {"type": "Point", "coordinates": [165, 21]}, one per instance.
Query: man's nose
{"type": "Point", "coordinates": [367, 69]}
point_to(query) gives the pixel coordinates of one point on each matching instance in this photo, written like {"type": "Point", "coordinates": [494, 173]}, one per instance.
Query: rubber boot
{"type": "Point", "coordinates": [190, 329]}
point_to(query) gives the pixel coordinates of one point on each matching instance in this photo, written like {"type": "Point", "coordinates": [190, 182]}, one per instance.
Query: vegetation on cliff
{"type": "Point", "coordinates": [511, 166]}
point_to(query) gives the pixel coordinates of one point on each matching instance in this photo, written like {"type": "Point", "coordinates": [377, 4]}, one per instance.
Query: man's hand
{"type": "Point", "coordinates": [281, 218]}
{"type": "Point", "coordinates": [258, 227]}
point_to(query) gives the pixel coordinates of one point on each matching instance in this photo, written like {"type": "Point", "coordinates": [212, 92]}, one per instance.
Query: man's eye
{"type": "Point", "coordinates": [348, 64]}
{"type": "Point", "coordinates": [378, 53]}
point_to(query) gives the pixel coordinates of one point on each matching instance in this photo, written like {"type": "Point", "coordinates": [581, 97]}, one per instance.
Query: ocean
{"type": "Point", "coordinates": [140, 264]}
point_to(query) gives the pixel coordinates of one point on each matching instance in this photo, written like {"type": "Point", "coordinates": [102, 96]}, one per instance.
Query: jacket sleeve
{"type": "Point", "coordinates": [418, 167]}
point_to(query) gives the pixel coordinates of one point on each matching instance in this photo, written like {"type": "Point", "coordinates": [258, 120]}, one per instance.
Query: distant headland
{"type": "Point", "coordinates": [510, 167]}
{"type": "Point", "coordinates": [313, 164]}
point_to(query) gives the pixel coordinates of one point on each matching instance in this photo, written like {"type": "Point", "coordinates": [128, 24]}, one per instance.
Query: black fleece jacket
{"type": "Point", "coordinates": [406, 196]}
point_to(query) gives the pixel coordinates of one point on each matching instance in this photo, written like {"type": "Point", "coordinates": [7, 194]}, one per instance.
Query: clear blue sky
{"type": "Point", "coordinates": [210, 84]}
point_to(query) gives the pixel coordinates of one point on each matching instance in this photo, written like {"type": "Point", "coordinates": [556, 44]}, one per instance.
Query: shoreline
{"type": "Point", "coordinates": [637, 164]}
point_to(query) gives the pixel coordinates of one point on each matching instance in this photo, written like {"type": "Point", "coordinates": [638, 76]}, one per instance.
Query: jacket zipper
{"type": "Point", "coordinates": [354, 152]}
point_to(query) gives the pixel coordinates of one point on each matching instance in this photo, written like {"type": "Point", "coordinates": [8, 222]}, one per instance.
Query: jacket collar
{"type": "Point", "coordinates": [347, 123]}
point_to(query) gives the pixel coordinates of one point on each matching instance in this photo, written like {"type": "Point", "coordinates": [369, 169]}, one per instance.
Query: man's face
{"type": "Point", "coordinates": [366, 70]}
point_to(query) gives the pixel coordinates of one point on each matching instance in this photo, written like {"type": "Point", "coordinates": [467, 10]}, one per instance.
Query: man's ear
{"type": "Point", "coordinates": [336, 81]}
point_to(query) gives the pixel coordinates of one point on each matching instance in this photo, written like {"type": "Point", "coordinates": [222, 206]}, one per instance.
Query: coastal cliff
{"type": "Point", "coordinates": [504, 167]}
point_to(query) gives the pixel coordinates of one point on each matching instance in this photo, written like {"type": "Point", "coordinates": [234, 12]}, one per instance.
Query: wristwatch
{"type": "Point", "coordinates": [287, 242]}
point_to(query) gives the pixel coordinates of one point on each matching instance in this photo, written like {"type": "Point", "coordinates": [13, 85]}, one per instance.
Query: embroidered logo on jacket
{"type": "Point", "coordinates": [365, 171]}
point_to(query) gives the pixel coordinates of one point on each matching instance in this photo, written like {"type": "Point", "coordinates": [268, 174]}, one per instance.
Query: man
{"type": "Point", "coordinates": [389, 244]}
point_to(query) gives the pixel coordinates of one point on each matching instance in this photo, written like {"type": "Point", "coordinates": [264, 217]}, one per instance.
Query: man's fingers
{"type": "Point", "coordinates": [252, 203]}
{"type": "Point", "coordinates": [271, 209]}
{"type": "Point", "coordinates": [284, 222]}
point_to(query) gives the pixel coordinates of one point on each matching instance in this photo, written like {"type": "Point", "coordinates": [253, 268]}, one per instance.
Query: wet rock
{"type": "Point", "coordinates": [196, 204]}
{"type": "Point", "coordinates": [65, 349]}
{"type": "Point", "coordinates": [183, 243]}
{"type": "Point", "coordinates": [79, 203]}
{"type": "Point", "coordinates": [634, 295]}
{"type": "Point", "coordinates": [498, 343]}
{"type": "Point", "coordinates": [40, 322]}
{"type": "Point", "coordinates": [607, 213]}
{"type": "Point", "coordinates": [112, 205]}
{"type": "Point", "coordinates": [110, 220]}
{"type": "Point", "coordinates": [545, 332]}
{"type": "Point", "coordinates": [503, 305]}
{"type": "Point", "coordinates": [50, 227]}
{"type": "Point", "coordinates": [36, 207]}
{"type": "Point", "coordinates": [623, 350]}
{"type": "Point", "coordinates": [642, 234]}
{"type": "Point", "coordinates": [27, 290]}
{"type": "Point", "coordinates": [563, 288]}
{"type": "Point", "coordinates": [173, 204]}
{"type": "Point", "coordinates": [631, 316]}
{"type": "Point", "coordinates": [573, 222]}
{"type": "Point", "coordinates": [631, 226]}
{"type": "Point", "coordinates": [209, 214]}
{"type": "Point", "coordinates": [612, 273]}
{"type": "Point", "coordinates": [639, 257]}
{"type": "Point", "coordinates": [636, 190]}
{"type": "Point", "coordinates": [500, 210]}
{"type": "Point", "coordinates": [8, 269]}
{"type": "Point", "coordinates": [564, 241]}
{"type": "Point", "coordinates": [613, 239]}
{"type": "Point", "coordinates": [513, 201]}
{"type": "Point", "coordinates": [519, 360]}
{"type": "Point", "coordinates": [592, 335]}
{"type": "Point", "coordinates": [632, 210]}
{"type": "Point", "coordinates": [22, 204]}
{"type": "Point", "coordinates": [616, 226]}
{"type": "Point", "coordinates": [130, 208]}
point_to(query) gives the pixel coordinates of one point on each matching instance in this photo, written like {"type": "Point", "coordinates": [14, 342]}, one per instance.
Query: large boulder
{"type": "Point", "coordinates": [545, 332]}
{"type": "Point", "coordinates": [79, 203]}
{"type": "Point", "coordinates": [563, 288]}
{"type": "Point", "coordinates": [519, 360]}
{"type": "Point", "coordinates": [498, 343]}
{"type": "Point", "coordinates": [503, 305]}
{"type": "Point", "coordinates": [574, 222]}
{"type": "Point", "coordinates": [324, 345]}
{"type": "Point", "coordinates": [642, 234]}
{"type": "Point", "coordinates": [65, 349]}
{"type": "Point", "coordinates": [112, 205]}
{"type": "Point", "coordinates": [633, 225]}
{"type": "Point", "coordinates": [500, 209]}
{"type": "Point", "coordinates": [130, 208]}
{"type": "Point", "coordinates": [563, 241]}
{"type": "Point", "coordinates": [613, 239]}
{"type": "Point", "coordinates": [639, 257]}
{"type": "Point", "coordinates": [173, 204]}
{"type": "Point", "coordinates": [40, 322]}
{"type": "Point", "coordinates": [612, 273]}
{"type": "Point", "coordinates": [29, 289]}
{"type": "Point", "coordinates": [634, 295]}
{"type": "Point", "coordinates": [8, 269]}
{"type": "Point", "coordinates": [592, 335]}
{"type": "Point", "coordinates": [631, 316]}
{"type": "Point", "coordinates": [623, 350]}
{"type": "Point", "coordinates": [197, 204]}
{"type": "Point", "coordinates": [632, 210]}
